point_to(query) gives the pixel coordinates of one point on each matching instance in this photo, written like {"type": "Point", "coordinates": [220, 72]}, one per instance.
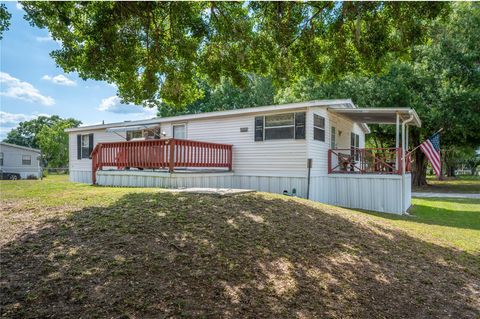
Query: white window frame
{"type": "Point", "coordinates": [27, 160]}
{"type": "Point", "coordinates": [265, 128]}
{"type": "Point", "coordinates": [179, 124]}
{"type": "Point", "coordinates": [333, 137]}
{"type": "Point", "coordinates": [320, 128]}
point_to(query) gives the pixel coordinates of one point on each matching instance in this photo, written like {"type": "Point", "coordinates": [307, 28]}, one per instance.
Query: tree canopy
{"type": "Point", "coordinates": [4, 19]}
{"type": "Point", "coordinates": [442, 83]}
{"type": "Point", "coordinates": [160, 51]}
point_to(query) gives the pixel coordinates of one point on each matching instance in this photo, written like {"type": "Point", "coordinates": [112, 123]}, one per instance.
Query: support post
{"type": "Point", "coordinates": [171, 164]}
{"type": "Point", "coordinates": [397, 138]}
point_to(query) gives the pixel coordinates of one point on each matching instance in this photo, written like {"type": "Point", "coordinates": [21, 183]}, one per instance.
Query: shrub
{"type": "Point", "coordinates": [32, 177]}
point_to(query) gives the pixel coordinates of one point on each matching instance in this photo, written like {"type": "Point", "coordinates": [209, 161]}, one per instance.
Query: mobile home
{"type": "Point", "coordinates": [21, 160]}
{"type": "Point", "coordinates": [312, 149]}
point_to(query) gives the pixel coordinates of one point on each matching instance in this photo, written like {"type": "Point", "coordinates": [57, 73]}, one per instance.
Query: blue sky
{"type": "Point", "coordinates": [31, 84]}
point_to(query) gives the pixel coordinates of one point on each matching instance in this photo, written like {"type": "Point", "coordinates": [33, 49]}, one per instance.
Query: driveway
{"type": "Point", "coordinates": [451, 195]}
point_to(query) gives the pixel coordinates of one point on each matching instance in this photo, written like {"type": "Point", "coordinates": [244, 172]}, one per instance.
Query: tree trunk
{"type": "Point", "coordinates": [419, 169]}
{"type": "Point", "coordinates": [450, 170]}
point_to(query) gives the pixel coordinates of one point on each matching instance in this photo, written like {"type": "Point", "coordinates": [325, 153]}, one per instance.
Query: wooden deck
{"type": "Point", "coordinates": [167, 155]}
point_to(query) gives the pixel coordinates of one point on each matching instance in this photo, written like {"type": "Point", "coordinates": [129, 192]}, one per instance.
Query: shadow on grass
{"type": "Point", "coordinates": [184, 255]}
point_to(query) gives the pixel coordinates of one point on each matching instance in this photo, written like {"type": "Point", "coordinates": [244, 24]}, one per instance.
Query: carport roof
{"type": "Point", "coordinates": [378, 115]}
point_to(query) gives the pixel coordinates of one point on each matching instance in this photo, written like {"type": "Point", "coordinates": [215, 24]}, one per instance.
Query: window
{"type": "Point", "coordinates": [84, 145]}
{"type": "Point", "coordinates": [134, 134]}
{"type": "Point", "coordinates": [1, 158]}
{"type": "Point", "coordinates": [355, 144]}
{"type": "Point", "coordinates": [333, 138]}
{"type": "Point", "coordinates": [26, 160]}
{"type": "Point", "coordinates": [180, 131]}
{"type": "Point", "coordinates": [318, 128]}
{"type": "Point", "coordinates": [279, 126]}
{"type": "Point", "coordinates": [152, 133]}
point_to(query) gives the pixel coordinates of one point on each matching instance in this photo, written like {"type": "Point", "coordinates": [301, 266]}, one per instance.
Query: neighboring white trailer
{"type": "Point", "coordinates": [20, 159]}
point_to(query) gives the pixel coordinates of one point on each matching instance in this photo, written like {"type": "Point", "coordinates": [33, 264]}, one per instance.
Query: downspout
{"type": "Point", "coordinates": [404, 123]}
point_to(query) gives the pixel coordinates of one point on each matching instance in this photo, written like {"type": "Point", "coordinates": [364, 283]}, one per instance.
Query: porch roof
{"type": "Point", "coordinates": [379, 115]}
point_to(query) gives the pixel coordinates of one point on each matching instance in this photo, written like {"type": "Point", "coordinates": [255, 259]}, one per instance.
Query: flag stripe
{"type": "Point", "coordinates": [434, 156]}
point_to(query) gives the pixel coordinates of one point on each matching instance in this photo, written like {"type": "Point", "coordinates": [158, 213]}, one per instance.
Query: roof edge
{"type": "Point", "coordinates": [22, 147]}
{"type": "Point", "coordinates": [249, 110]}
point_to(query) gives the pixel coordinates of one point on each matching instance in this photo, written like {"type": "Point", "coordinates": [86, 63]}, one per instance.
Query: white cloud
{"type": "Point", "coordinates": [9, 121]}
{"type": "Point", "coordinates": [48, 38]}
{"type": "Point", "coordinates": [19, 6]}
{"type": "Point", "coordinates": [113, 104]}
{"type": "Point", "coordinates": [14, 88]}
{"type": "Point", "coordinates": [44, 39]}
{"type": "Point", "coordinates": [59, 79]}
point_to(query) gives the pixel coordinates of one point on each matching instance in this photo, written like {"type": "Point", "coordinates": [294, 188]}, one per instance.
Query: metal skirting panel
{"type": "Point", "coordinates": [166, 180]}
{"type": "Point", "coordinates": [273, 184]}
{"type": "Point", "coordinates": [380, 193]}
{"type": "Point", "coordinates": [78, 176]}
{"type": "Point", "coordinates": [212, 180]}
{"type": "Point", "coordinates": [370, 192]}
{"type": "Point", "coordinates": [408, 191]}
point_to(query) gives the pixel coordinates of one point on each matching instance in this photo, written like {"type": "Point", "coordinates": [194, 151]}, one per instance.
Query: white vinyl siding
{"type": "Point", "coordinates": [85, 164]}
{"type": "Point", "coordinates": [285, 157]}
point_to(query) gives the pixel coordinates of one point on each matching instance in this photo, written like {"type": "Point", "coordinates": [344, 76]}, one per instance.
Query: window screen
{"type": "Point", "coordinates": [1, 158]}
{"type": "Point", "coordinates": [318, 128]}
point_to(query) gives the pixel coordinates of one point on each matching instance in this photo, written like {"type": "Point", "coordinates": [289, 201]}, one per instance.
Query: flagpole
{"type": "Point", "coordinates": [421, 143]}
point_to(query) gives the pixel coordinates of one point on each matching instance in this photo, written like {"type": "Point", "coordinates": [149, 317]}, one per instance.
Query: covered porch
{"type": "Point", "coordinates": [395, 160]}
{"type": "Point", "coordinates": [373, 178]}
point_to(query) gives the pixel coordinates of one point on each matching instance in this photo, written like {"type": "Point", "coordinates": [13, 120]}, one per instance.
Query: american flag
{"type": "Point", "coordinates": [431, 148]}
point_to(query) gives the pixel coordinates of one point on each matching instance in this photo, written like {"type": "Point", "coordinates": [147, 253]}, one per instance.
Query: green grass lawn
{"type": "Point", "coordinates": [453, 222]}
{"type": "Point", "coordinates": [74, 250]}
{"type": "Point", "coordinates": [460, 184]}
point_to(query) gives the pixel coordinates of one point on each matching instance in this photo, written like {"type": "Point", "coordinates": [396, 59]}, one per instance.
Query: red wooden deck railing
{"type": "Point", "coordinates": [168, 153]}
{"type": "Point", "coordinates": [367, 160]}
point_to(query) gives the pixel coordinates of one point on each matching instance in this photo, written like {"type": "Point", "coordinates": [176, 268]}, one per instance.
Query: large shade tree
{"type": "Point", "coordinates": [442, 84]}
{"type": "Point", "coordinates": [160, 51]}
